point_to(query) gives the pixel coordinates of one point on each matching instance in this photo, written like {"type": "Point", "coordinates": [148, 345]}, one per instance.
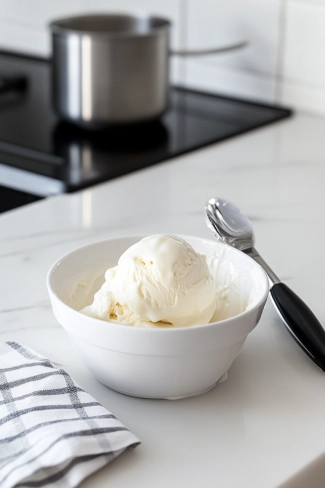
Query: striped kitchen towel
{"type": "Point", "coordinates": [52, 433]}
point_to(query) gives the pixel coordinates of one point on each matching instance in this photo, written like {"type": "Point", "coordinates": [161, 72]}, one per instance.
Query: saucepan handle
{"type": "Point", "coordinates": [212, 50]}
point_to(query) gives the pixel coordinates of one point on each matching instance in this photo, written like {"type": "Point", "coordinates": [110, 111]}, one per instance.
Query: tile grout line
{"type": "Point", "coordinates": [183, 40]}
{"type": "Point", "coordinates": [279, 69]}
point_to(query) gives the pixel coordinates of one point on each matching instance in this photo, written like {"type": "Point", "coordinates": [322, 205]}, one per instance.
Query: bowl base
{"type": "Point", "coordinates": [200, 392]}
{"type": "Point", "coordinates": [176, 397]}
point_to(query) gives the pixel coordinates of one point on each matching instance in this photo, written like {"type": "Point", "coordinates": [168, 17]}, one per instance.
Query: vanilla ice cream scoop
{"type": "Point", "coordinates": [160, 279]}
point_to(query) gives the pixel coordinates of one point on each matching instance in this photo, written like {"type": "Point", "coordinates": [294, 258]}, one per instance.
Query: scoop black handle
{"type": "Point", "coordinates": [300, 322]}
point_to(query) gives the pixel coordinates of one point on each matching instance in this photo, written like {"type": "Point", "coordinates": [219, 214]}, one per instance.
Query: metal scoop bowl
{"type": "Point", "coordinates": [231, 226]}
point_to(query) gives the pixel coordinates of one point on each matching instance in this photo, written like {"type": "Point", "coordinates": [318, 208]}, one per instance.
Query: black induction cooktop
{"type": "Point", "coordinates": [41, 155]}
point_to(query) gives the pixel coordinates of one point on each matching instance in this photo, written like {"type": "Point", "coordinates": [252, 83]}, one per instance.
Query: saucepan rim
{"type": "Point", "coordinates": [69, 25]}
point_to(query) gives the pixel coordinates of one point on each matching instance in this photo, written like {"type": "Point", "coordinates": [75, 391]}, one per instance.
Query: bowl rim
{"type": "Point", "coordinates": [107, 324]}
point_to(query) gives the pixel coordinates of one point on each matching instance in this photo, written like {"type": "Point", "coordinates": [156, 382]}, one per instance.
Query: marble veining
{"type": "Point", "coordinates": [265, 424]}
{"type": "Point", "coordinates": [44, 304]}
{"type": "Point", "coordinates": [16, 329]}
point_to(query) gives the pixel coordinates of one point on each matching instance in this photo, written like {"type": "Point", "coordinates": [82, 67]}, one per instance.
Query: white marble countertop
{"type": "Point", "coordinates": [263, 427]}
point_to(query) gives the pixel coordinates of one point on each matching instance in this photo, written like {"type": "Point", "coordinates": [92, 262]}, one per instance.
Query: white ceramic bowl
{"type": "Point", "coordinates": [150, 362]}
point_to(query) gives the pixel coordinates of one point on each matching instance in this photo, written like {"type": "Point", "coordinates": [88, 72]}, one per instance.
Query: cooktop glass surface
{"type": "Point", "coordinates": [53, 156]}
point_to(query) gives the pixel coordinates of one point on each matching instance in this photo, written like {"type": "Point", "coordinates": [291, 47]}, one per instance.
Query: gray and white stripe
{"type": "Point", "coordinates": [52, 433]}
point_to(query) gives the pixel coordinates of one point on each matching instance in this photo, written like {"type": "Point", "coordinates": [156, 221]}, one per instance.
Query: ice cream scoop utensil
{"type": "Point", "coordinates": [231, 226]}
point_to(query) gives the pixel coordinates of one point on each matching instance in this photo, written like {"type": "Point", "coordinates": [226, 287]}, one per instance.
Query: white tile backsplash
{"type": "Point", "coordinates": [283, 63]}
{"type": "Point", "coordinates": [249, 72]}
{"type": "Point", "coordinates": [34, 40]}
{"type": "Point", "coordinates": [227, 80]}
{"type": "Point", "coordinates": [37, 12]}
{"type": "Point", "coordinates": [302, 97]}
{"type": "Point", "coordinates": [304, 59]}
{"type": "Point", "coordinates": [219, 22]}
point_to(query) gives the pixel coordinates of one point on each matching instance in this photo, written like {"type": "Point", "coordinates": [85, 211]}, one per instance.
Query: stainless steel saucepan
{"type": "Point", "coordinates": [113, 68]}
